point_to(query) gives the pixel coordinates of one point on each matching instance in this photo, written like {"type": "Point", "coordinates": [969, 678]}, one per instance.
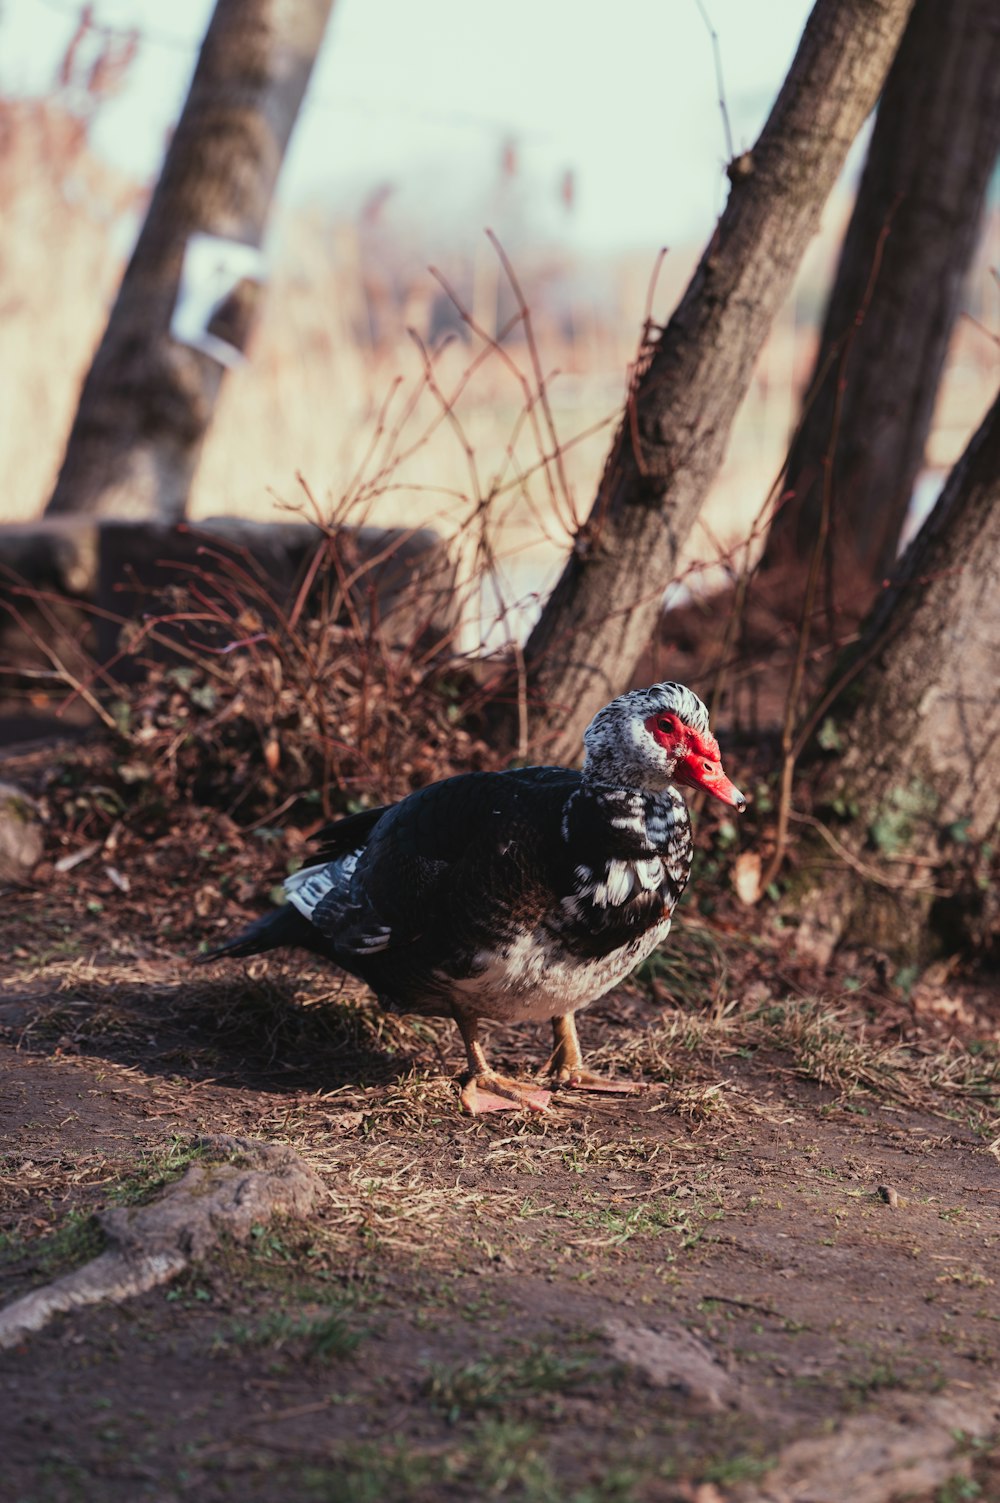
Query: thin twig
{"type": "Point", "coordinates": [62, 668]}
{"type": "Point", "coordinates": [540, 382]}
{"type": "Point", "coordinates": [717, 57]}
{"type": "Point", "coordinates": [863, 870]}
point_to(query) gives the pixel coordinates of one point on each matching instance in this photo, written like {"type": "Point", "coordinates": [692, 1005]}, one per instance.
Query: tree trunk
{"type": "Point", "coordinates": [673, 437]}
{"type": "Point", "coordinates": [912, 788]}
{"type": "Point", "coordinates": [909, 245]}
{"type": "Point", "coordinates": [148, 399]}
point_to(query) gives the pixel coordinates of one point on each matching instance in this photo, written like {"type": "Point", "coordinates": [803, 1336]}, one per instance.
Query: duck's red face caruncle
{"type": "Point", "coordinates": [698, 759]}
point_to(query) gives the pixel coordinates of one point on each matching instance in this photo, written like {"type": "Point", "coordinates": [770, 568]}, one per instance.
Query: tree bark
{"type": "Point", "coordinates": [673, 437]}
{"type": "Point", "coordinates": [148, 399]}
{"type": "Point", "coordinates": [896, 295]}
{"type": "Point", "coordinates": [911, 792]}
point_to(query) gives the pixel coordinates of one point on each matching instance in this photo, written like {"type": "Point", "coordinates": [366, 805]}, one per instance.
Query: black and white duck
{"type": "Point", "coordinates": [516, 896]}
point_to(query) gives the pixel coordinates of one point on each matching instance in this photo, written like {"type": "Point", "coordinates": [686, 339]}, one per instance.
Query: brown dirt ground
{"type": "Point", "coordinates": [438, 1330]}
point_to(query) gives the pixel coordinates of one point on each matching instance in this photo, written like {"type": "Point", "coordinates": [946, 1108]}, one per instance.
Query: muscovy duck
{"type": "Point", "coordinates": [517, 896]}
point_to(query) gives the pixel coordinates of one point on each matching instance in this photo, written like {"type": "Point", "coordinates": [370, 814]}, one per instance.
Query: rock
{"type": "Point", "coordinates": [53, 553]}
{"type": "Point", "coordinates": [673, 1358]}
{"type": "Point", "coordinates": [139, 559]}
{"type": "Point", "coordinates": [21, 835]}
{"type": "Point", "coordinates": [116, 563]}
{"type": "Point", "coordinates": [908, 1447]}
{"type": "Point", "coordinates": [403, 578]}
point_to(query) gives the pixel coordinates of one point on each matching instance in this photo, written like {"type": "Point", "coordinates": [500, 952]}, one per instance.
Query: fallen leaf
{"type": "Point", "coordinates": [746, 877]}
{"type": "Point", "coordinates": [67, 863]}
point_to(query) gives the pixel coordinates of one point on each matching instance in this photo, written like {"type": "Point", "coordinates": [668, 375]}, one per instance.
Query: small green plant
{"type": "Point", "coordinates": [76, 1241]}
{"type": "Point", "coordinates": [322, 1337]}
{"type": "Point", "coordinates": [895, 824]}
{"type": "Point", "coordinates": [735, 1469]}
{"type": "Point", "coordinates": [154, 1171]}
{"type": "Point", "coordinates": [488, 1383]}
{"type": "Point", "coordinates": [878, 1376]}
{"type": "Point", "coordinates": [958, 1489]}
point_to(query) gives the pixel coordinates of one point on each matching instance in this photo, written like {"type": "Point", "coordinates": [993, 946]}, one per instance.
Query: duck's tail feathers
{"type": "Point", "coordinates": [284, 926]}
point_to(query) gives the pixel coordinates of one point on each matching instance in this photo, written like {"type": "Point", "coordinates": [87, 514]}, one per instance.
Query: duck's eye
{"type": "Point", "coordinates": [664, 725]}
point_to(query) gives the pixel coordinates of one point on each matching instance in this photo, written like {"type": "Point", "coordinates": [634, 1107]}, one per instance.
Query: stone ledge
{"type": "Point", "coordinates": [117, 564]}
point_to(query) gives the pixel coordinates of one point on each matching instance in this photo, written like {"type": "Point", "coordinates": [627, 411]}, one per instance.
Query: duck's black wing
{"type": "Point", "coordinates": [343, 836]}
{"type": "Point", "coordinates": [450, 866]}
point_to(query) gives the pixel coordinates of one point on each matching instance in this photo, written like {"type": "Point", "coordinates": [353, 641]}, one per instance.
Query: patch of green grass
{"type": "Point", "coordinates": [879, 1376]}
{"type": "Point", "coordinates": [588, 1151]}
{"type": "Point", "coordinates": [322, 1336]}
{"type": "Point", "coordinates": [154, 1171]}
{"type": "Point", "coordinates": [493, 1459]}
{"type": "Point", "coordinates": [741, 1468]}
{"type": "Point", "coordinates": [270, 1244]}
{"type": "Point", "coordinates": [187, 1292]}
{"type": "Point", "coordinates": [483, 1307]}
{"type": "Point", "coordinates": [590, 1223]}
{"type": "Point", "coordinates": [292, 1264]}
{"type": "Point", "coordinates": [618, 1224]}
{"type": "Point", "coordinates": [880, 1373]}
{"type": "Point", "coordinates": [958, 1489]}
{"type": "Point", "coordinates": [621, 1223]}
{"type": "Point", "coordinates": [68, 1479]}
{"type": "Point", "coordinates": [370, 1474]}
{"type": "Point", "coordinates": [505, 1459]}
{"type": "Point", "coordinates": [76, 1241]}
{"type": "Point", "coordinates": [490, 1382]}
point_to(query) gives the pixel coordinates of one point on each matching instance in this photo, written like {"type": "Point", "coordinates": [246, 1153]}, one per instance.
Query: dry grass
{"type": "Point", "coordinates": [58, 203]}
{"type": "Point", "coordinates": [405, 1173]}
{"type": "Point", "coordinates": [381, 1199]}
{"type": "Point", "coordinates": [273, 1016]}
{"type": "Point", "coordinates": [814, 1038]}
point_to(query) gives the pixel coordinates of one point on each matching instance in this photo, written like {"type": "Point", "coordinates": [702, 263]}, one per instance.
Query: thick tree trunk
{"type": "Point", "coordinates": [672, 440]}
{"type": "Point", "coordinates": [908, 247]}
{"type": "Point", "coordinates": [912, 790]}
{"type": "Point", "coordinates": [148, 399]}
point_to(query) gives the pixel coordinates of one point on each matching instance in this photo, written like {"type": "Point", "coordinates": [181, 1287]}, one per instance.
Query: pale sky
{"type": "Point", "coordinates": [421, 94]}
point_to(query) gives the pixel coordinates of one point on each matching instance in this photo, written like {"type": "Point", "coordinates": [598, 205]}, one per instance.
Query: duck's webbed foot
{"type": "Point", "coordinates": [566, 1067]}
{"type": "Point", "coordinates": [483, 1090]}
{"type": "Point", "coordinates": [489, 1092]}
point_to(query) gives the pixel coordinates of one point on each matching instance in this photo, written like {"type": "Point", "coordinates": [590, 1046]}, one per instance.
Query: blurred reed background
{"type": "Point", "coordinates": [365, 380]}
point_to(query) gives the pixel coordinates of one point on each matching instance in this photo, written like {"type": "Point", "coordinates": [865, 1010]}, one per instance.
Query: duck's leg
{"type": "Point", "coordinates": [483, 1090]}
{"type": "Point", "coordinates": [567, 1063]}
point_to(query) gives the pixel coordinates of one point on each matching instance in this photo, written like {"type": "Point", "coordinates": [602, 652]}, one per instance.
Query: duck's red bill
{"type": "Point", "coordinates": [699, 771]}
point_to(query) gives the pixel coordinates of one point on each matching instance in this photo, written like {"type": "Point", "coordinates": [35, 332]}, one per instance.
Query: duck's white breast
{"type": "Point", "coordinates": [532, 977]}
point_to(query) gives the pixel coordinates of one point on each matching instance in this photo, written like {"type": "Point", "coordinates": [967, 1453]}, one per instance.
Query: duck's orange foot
{"type": "Point", "coordinates": [573, 1079]}
{"type": "Point", "coordinates": [496, 1093]}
